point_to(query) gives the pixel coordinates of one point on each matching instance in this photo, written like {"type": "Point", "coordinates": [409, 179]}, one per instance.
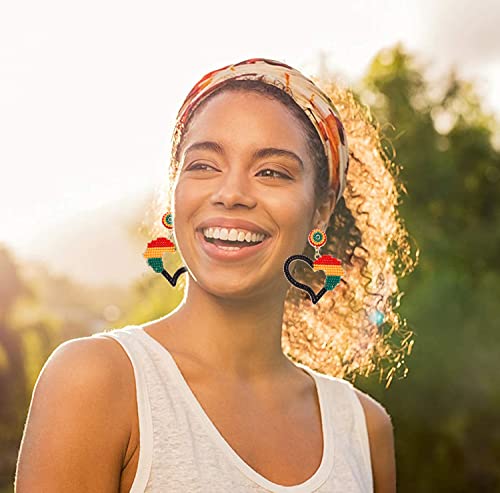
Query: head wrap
{"type": "Point", "coordinates": [313, 101]}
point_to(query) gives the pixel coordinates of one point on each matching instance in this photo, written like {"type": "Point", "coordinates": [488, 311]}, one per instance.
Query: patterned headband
{"type": "Point", "coordinates": [313, 101]}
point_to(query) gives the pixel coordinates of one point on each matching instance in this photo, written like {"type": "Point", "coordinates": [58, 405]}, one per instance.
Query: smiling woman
{"type": "Point", "coordinates": [221, 394]}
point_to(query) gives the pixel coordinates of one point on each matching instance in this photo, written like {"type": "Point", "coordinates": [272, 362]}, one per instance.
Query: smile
{"type": "Point", "coordinates": [229, 250]}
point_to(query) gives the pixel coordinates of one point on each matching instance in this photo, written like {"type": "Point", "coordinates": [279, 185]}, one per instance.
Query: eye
{"type": "Point", "coordinates": [199, 166]}
{"type": "Point", "coordinates": [281, 175]}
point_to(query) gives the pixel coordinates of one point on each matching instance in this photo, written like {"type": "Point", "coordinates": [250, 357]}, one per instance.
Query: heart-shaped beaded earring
{"type": "Point", "coordinates": [331, 266]}
{"type": "Point", "coordinates": [156, 248]}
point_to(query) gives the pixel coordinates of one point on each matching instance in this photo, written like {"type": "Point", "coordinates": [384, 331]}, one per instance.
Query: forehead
{"type": "Point", "coordinates": [246, 119]}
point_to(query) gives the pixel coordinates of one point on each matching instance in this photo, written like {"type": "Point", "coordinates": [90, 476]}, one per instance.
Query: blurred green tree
{"type": "Point", "coordinates": [445, 140]}
{"type": "Point", "coordinates": [13, 384]}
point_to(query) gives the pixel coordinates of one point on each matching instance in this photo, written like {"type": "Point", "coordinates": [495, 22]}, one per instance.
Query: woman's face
{"type": "Point", "coordinates": [232, 177]}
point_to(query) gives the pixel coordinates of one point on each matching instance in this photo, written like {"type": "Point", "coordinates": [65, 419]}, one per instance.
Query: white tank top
{"type": "Point", "coordinates": [181, 450]}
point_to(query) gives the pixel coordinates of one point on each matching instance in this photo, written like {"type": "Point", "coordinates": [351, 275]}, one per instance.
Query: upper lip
{"type": "Point", "coordinates": [225, 222]}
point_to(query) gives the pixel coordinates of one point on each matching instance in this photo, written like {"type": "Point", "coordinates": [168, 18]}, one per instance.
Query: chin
{"type": "Point", "coordinates": [228, 289]}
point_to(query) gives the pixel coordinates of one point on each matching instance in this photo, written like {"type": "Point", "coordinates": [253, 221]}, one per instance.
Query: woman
{"type": "Point", "coordinates": [204, 399]}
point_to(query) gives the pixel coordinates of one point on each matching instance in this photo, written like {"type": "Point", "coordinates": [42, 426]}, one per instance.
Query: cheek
{"type": "Point", "coordinates": [292, 215]}
{"type": "Point", "coordinates": [186, 201]}
{"type": "Point", "coordinates": [186, 197]}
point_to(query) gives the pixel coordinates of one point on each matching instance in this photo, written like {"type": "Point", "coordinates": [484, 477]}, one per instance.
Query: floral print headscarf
{"type": "Point", "coordinates": [315, 103]}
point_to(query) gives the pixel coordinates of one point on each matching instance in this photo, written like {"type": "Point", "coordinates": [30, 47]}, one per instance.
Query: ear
{"type": "Point", "coordinates": [324, 211]}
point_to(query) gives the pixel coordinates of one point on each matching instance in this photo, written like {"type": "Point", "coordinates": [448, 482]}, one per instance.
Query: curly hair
{"type": "Point", "coordinates": [357, 329]}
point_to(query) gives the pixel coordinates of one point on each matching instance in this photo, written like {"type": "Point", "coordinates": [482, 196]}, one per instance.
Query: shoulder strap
{"type": "Point", "coordinates": [361, 430]}
{"type": "Point", "coordinates": [125, 337]}
{"type": "Point", "coordinates": [350, 422]}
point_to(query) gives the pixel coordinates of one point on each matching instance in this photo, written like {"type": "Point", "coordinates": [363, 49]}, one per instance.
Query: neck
{"type": "Point", "coordinates": [240, 337]}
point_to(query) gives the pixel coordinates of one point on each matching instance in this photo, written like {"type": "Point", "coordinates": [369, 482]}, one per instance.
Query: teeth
{"type": "Point", "coordinates": [233, 234]}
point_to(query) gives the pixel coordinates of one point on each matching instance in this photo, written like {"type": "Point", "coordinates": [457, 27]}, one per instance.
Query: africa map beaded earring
{"type": "Point", "coordinates": [331, 266]}
{"type": "Point", "coordinates": [156, 248]}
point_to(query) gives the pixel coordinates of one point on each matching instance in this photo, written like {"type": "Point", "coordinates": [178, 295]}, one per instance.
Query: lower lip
{"type": "Point", "coordinates": [217, 253]}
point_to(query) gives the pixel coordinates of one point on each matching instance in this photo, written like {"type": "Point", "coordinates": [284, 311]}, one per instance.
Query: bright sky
{"type": "Point", "coordinates": [89, 90]}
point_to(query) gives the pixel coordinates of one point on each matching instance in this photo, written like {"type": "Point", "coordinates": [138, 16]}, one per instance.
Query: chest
{"type": "Point", "coordinates": [281, 442]}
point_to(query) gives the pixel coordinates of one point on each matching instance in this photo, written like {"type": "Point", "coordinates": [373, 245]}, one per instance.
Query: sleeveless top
{"type": "Point", "coordinates": [182, 451]}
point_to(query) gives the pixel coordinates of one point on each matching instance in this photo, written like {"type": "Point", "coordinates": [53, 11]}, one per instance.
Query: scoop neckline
{"type": "Point", "coordinates": [327, 459]}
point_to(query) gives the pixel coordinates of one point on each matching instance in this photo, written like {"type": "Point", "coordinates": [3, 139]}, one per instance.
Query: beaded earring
{"type": "Point", "coordinates": [331, 266]}
{"type": "Point", "coordinates": [156, 248]}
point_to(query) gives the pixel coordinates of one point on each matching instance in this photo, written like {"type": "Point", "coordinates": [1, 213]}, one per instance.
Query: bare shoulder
{"type": "Point", "coordinates": [381, 438]}
{"type": "Point", "coordinates": [95, 366]}
{"type": "Point", "coordinates": [93, 358]}
{"type": "Point", "coordinates": [78, 424]}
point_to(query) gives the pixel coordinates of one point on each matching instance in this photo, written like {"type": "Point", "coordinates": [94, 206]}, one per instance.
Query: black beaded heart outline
{"type": "Point", "coordinates": [173, 279]}
{"type": "Point", "coordinates": [315, 297]}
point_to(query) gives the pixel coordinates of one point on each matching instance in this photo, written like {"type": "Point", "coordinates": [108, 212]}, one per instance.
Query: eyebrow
{"type": "Point", "coordinates": [263, 153]}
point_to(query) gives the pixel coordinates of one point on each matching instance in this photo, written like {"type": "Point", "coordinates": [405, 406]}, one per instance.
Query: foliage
{"type": "Point", "coordinates": [444, 139]}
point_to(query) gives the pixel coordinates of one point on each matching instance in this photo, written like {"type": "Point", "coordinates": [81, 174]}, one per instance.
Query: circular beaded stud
{"type": "Point", "coordinates": [167, 220]}
{"type": "Point", "coordinates": [317, 238]}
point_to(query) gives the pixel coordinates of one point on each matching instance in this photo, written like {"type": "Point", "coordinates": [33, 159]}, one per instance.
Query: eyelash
{"type": "Point", "coordinates": [282, 175]}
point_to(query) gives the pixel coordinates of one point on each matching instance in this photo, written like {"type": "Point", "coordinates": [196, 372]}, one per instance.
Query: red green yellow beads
{"type": "Point", "coordinates": [155, 250]}
{"type": "Point", "coordinates": [317, 238]}
{"type": "Point", "coordinates": [167, 220]}
{"type": "Point", "coordinates": [332, 267]}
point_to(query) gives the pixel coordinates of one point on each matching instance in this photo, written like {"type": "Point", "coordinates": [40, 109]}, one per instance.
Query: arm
{"type": "Point", "coordinates": [77, 431]}
{"type": "Point", "coordinates": [381, 438]}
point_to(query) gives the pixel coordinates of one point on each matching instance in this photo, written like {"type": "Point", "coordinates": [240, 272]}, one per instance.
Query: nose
{"type": "Point", "coordinates": [233, 189]}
